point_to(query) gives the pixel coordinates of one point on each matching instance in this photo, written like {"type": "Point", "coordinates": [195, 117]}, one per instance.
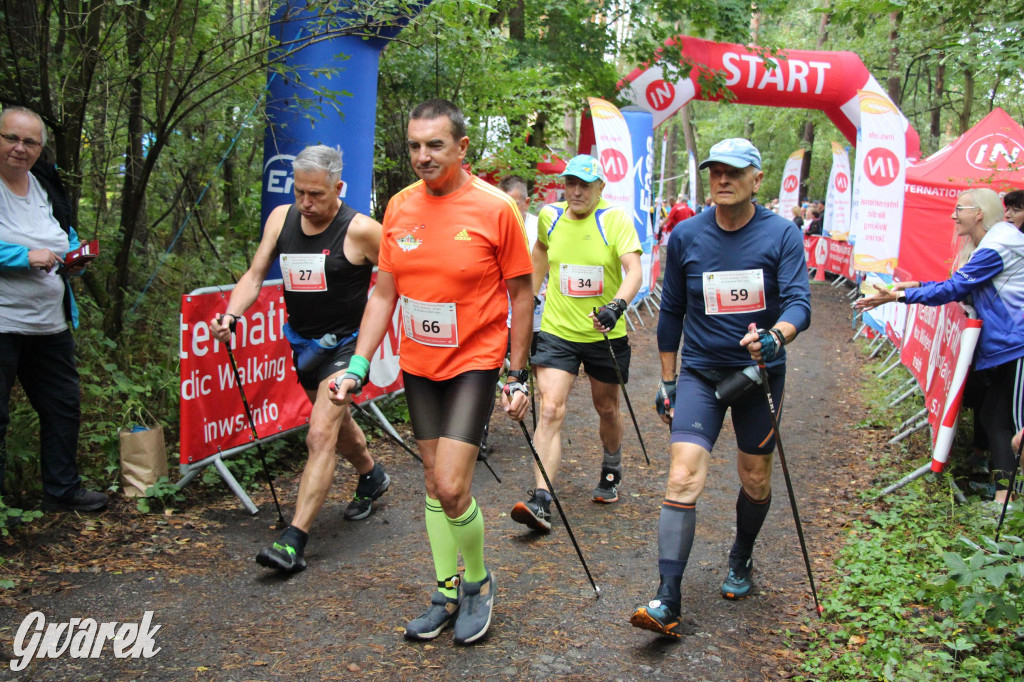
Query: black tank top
{"type": "Point", "coordinates": [339, 309]}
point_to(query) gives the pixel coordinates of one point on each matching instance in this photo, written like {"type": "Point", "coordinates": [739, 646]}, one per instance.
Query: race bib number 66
{"type": "Point", "coordinates": [432, 324]}
{"type": "Point", "coordinates": [733, 291]}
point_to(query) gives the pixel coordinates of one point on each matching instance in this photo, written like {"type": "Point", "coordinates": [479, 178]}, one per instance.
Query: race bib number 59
{"type": "Point", "coordinates": [432, 324]}
{"type": "Point", "coordinates": [733, 291]}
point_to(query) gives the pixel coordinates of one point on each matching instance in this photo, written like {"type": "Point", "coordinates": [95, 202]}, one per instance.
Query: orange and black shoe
{"type": "Point", "coordinates": [658, 616]}
{"type": "Point", "coordinates": [535, 513]}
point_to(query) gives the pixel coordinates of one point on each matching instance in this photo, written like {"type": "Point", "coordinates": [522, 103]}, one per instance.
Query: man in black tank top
{"type": "Point", "coordinates": [327, 252]}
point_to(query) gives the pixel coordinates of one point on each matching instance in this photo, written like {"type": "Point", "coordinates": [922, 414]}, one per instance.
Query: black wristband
{"type": "Point", "coordinates": [520, 375]}
{"type": "Point", "coordinates": [902, 298]}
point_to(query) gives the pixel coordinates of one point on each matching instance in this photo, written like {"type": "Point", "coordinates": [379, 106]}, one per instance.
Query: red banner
{"type": "Point", "coordinates": [212, 415]}
{"type": "Point", "coordinates": [840, 259]}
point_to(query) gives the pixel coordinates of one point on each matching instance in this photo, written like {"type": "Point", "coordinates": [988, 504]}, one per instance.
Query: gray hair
{"type": "Point", "coordinates": [514, 182]}
{"type": "Point", "coordinates": [27, 112]}
{"type": "Point", "coordinates": [320, 158]}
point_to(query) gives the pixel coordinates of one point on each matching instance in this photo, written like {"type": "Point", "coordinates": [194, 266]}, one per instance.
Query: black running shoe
{"type": "Point", "coordinates": [281, 557]}
{"type": "Point", "coordinates": [441, 614]}
{"type": "Point", "coordinates": [535, 513]}
{"type": "Point", "coordinates": [738, 584]}
{"type": "Point", "coordinates": [658, 616]}
{"type": "Point", "coordinates": [607, 490]}
{"type": "Point", "coordinates": [475, 610]}
{"type": "Point", "coordinates": [370, 487]}
{"type": "Point", "coordinates": [79, 500]}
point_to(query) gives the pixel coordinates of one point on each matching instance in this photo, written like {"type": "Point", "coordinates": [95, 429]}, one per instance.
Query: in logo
{"type": "Point", "coordinates": [660, 94]}
{"type": "Point", "coordinates": [614, 164]}
{"type": "Point", "coordinates": [790, 183]}
{"type": "Point", "coordinates": [881, 166]}
{"type": "Point", "coordinates": [995, 152]}
{"type": "Point", "coordinates": [842, 183]}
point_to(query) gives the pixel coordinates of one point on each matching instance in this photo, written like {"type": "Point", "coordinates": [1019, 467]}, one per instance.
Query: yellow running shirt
{"type": "Point", "coordinates": [584, 267]}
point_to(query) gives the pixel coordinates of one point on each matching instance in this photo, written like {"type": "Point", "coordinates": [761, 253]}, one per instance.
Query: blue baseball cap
{"type": "Point", "coordinates": [737, 152]}
{"type": "Point", "coordinates": [585, 167]}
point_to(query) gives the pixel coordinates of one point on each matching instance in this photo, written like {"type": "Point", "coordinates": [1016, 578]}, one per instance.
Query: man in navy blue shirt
{"type": "Point", "coordinates": [736, 289]}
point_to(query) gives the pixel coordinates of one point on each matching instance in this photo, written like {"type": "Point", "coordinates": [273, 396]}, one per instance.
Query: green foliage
{"type": "Point", "coordinates": [163, 495]}
{"type": "Point", "coordinates": [910, 605]}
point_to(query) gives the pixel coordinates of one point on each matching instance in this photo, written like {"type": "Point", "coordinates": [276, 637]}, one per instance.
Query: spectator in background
{"type": "Point", "coordinates": [37, 309]}
{"type": "Point", "coordinates": [993, 276]}
{"type": "Point", "coordinates": [1013, 212]}
{"type": "Point", "coordinates": [816, 222]}
{"type": "Point", "coordinates": [680, 211]}
{"type": "Point", "coordinates": [798, 217]}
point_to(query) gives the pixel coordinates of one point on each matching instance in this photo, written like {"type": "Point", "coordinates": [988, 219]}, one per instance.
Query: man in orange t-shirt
{"type": "Point", "coordinates": [452, 246]}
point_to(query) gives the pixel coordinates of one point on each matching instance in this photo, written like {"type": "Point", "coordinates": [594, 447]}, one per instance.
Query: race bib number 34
{"type": "Point", "coordinates": [581, 280]}
{"type": "Point", "coordinates": [304, 271]}
{"type": "Point", "coordinates": [432, 324]}
{"type": "Point", "coordinates": [733, 291]}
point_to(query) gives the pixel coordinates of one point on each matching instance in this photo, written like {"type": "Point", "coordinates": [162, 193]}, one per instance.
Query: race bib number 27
{"type": "Point", "coordinates": [304, 271]}
{"type": "Point", "coordinates": [733, 291]}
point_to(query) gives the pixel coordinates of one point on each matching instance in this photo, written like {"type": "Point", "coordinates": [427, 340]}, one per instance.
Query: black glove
{"type": "Point", "coordinates": [771, 342]}
{"type": "Point", "coordinates": [609, 314]}
{"type": "Point", "coordinates": [665, 400]}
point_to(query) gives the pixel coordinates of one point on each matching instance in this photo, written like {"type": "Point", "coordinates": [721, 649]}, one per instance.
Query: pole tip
{"type": "Point", "coordinates": [821, 611]}
{"type": "Point", "coordinates": [597, 591]}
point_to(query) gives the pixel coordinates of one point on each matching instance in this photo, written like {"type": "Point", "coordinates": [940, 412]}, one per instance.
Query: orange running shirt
{"type": "Point", "coordinates": [450, 256]}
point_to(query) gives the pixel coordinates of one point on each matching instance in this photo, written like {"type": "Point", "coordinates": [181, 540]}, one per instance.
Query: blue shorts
{"type": "Point", "coordinates": [699, 414]}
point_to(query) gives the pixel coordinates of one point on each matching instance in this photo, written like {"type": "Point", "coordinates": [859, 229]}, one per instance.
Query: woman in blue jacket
{"type": "Point", "coordinates": [991, 279]}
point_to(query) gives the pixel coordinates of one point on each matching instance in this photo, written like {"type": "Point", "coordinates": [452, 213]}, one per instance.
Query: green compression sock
{"type": "Point", "coordinates": [442, 546]}
{"type": "Point", "coordinates": [468, 531]}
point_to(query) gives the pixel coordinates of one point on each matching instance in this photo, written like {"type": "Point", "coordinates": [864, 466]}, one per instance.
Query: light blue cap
{"type": "Point", "coordinates": [737, 152]}
{"type": "Point", "coordinates": [585, 167]}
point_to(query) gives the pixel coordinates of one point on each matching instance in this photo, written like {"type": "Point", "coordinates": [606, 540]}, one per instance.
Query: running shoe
{"type": "Point", "coordinates": [535, 513]}
{"type": "Point", "coordinates": [475, 610]}
{"type": "Point", "coordinates": [607, 490]}
{"type": "Point", "coordinates": [441, 614]}
{"type": "Point", "coordinates": [281, 557]}
{"type": "Point", "coordinates": [370, 487]}
{"type": "Point", "coordinates": [738, 585]}
{"type": "Point", "coordinates": [79, 500]}
{"type": "Point", "coordinates": [658, 616]}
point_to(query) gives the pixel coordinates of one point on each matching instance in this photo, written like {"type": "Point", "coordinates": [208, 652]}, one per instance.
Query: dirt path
{"type": "Point", "coordinates": [225, 618]}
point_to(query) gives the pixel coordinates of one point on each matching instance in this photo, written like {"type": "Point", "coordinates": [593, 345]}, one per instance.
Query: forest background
{"type": "Point", "coordinates": [155, 109]}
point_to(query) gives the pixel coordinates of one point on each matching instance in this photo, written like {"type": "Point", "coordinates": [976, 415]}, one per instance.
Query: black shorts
{"type": "Point", "coordinates": [555, 352]}
{"type": "Point", "coordinates": [456, 408]}
{"type": "Point", "coordinates": [699, 414]}
{"type": "Point", "coordinates": [336, 361]}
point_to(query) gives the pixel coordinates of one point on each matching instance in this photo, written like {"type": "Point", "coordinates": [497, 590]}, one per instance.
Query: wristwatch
{"type": "Point", "coordinates": [520, 375]}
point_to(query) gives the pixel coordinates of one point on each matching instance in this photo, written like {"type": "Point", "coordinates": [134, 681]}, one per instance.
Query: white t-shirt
{"type": "Point", "coordinates": [31, 300]}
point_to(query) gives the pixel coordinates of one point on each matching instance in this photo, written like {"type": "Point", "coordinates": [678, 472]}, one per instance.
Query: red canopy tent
{"type": "Point", "coordinates": [991, 154]}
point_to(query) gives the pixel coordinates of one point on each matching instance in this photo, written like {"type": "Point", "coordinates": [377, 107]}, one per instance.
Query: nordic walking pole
{"type": "Point", "coordinates": [789, 483]}
{"type": "Point", "coordinates": [252, 424]}
{"type": "Point", "coordinates": [558, 505]}
{"type": "Point", "coordinates": [622, 385]}
{"type": "Point", "coordinates": [533, 402]}
{"type": "Point", "coordinates": [1009, 490]}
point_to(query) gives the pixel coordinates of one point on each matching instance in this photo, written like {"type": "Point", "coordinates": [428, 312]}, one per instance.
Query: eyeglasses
{"type": "Point", "coordinates": [28, 141]}
{"type": "Point", "coordinates": [963, 208]}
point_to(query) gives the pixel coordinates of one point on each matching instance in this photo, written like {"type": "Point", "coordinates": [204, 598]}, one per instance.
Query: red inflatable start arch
{"type": "Point", "coordinates": [804, 79]}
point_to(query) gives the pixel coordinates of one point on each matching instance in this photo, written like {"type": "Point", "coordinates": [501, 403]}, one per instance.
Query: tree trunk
{"type": "Point", "coordinates": [691, 148]}
{"type": "Point", "coordinates": [893, 81]}
{"type": "Point", "coordinates": [807, 140]}
{"type": "Point", "coordinates": [968, 104]}
{"type": "Point", "coordinates": [132, 207]}
{"type": "Point", "coordinates": [935, 129]}
{"type": "Point", "coordinates": [672, 165]}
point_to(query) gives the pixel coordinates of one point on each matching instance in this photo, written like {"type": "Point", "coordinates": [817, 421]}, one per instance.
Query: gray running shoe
{"type": "Point", "coordinates": [738, 584]}
{"type": "Point", "coordinates": [441, 614]}
{"type": "Point", "coordinates": [370, 487]}
{"type": "Point", "coordinates": [535, 513]}
{"type": "Point", "coordinates": [607, 490]}
{"type": "Point", "coordinates": [475, 610]}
